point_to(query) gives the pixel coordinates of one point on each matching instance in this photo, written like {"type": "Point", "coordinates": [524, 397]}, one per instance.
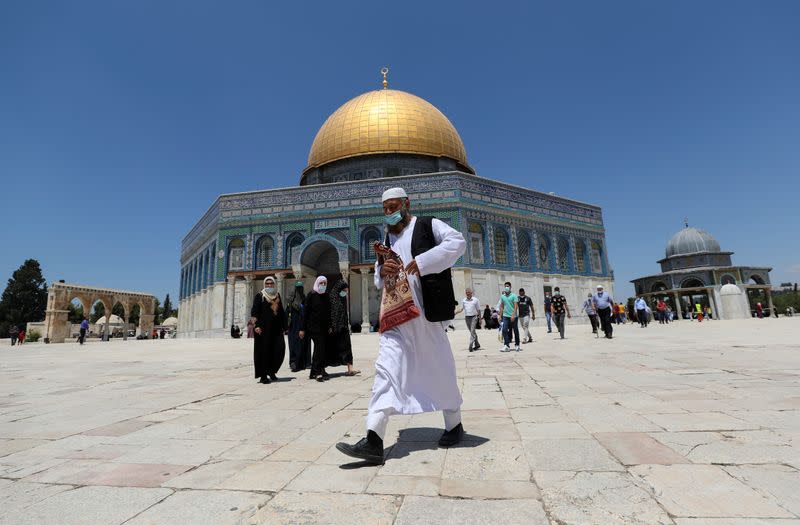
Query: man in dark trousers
{"type": "Point", "coordinates": [603, 302]}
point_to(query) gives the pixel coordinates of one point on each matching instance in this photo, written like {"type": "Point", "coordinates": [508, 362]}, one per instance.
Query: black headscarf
{"type": "Point", "coordinates": [297, 297]}
{"type": "Point", "coordinates": [338, 307]}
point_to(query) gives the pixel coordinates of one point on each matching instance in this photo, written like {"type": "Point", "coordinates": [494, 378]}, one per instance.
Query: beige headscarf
{"type": "Point", "coordinates": [272, 298]}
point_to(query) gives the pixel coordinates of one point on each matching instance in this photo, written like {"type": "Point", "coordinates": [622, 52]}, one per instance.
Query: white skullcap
{"type": "Point", "coordinates": [394, 193]}
{"type": "Point", "coordinates": [599, 286]}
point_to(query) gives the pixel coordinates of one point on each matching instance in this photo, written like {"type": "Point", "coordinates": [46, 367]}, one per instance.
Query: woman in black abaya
{"type": "Point", "coordinates": [340, 351]}
{"type": "Point", "coordinates": [299, 349]}
{"type": "Point", "coordinates": [269, 347]}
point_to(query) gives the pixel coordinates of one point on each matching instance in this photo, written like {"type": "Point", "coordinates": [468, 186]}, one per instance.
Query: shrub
{"type": "Point", "coordinates": [32, 336]}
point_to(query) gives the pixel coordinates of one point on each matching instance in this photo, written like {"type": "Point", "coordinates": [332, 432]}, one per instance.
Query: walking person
{"type": "Point", "coordinates": [559, 308]}
{"type": "Point", "coordinates": [487, 318]}
{"type": "Point", "coordinates": [661, 308]}
{"type": "Point", "coordinates": [415, 371]}
{"type": "Point", "coordinates": [527, 313]}
{"type": "Point", "coordinates": [548, 314]}
{"type": "Point", "coordinates": [509, 307]}
{"type": "Point", "coordinates": [84, 328]}
{"type": "Point", "coordinates": [603, 303]}
{"type": "Point", "coordinates": [340, 351]}
{"type": "Point", "coordinates": [641, 311]}
{"type": "Point", "coordinates": [317, 325]}
{"type": "Point", "coordinates": [471, 307]}
{"type": "Point", "coordinates": [14, 333]}
{"type": "Point", "coordinates": [588, 308]}
{"type": "Point", "coordinates": [299, 349]}
{"type": "Point", "coordinates": [21, 336]}
{"type": "Point", "coordinates": [269, 348]}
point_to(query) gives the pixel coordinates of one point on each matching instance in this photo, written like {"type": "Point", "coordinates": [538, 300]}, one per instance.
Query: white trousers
{"type": "Point", "coordinates": [377, 421]}
{"type": "Point", "coordinates": [525, 323]}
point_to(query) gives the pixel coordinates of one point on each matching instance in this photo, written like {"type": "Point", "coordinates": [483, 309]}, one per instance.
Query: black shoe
{"type": "Point", "coordinates": [265, 380]}
{"type": "Point", "coordinates": [273, 377]}
{"type": "Point", "coordinates": [321, 379]}
{"type": "Point", "coordinates": [451, 437]}
{"type": "Point", "coordinates": [369, 449]}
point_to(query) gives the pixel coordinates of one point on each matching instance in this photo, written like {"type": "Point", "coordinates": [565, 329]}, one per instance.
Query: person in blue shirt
{"type": "Point", "coordinates": [603, 302]}
{"type": "Point", "coordinates": [509, 303]}
{"type": "Point", "coordinates": [84, 328]}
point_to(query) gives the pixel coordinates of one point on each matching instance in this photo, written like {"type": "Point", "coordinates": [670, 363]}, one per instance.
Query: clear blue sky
{"type": "Point", "coordinates": [121, 122]}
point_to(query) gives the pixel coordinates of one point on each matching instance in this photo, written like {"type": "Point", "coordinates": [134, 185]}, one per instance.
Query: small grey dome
{"type": "Point", "coordinates": [691, 240]}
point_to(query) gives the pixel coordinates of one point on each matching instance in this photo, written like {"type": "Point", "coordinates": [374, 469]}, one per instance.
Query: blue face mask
{"type": "Point", "coordinates": [342, 294]}
{"type": "Point", "coordinates": [270, 290]}
{"type": "Point", "coordinates": [322, 288]}
{"type": "Point", "coordinates": [393, 218]}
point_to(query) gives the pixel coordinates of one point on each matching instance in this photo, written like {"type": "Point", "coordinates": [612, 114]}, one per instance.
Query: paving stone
{"type": "Point", "coordinates": [86, 505]}
{"type": "Point", "coordinates": [569, 454]}
{"type": "Point", "coordinates": [778, 482]}
{"type": "Point", "coordinates": [636, 448]}
{"type": "Point", "coordinates": [555, 430]}
{"type": "Point", "coordinates": [487, 489]}
{"type": "Point", "coordinates": [414, 459]}
{"type": "Point", "coordinates": [699, 421]}
{"type": "Point", "coordinates": [264, 475]}
{"type": "Point", "coordinates": [304, 508]}
{"type": "Point", "coordinates": [125, 474]}
{"type": "Point", "coordinates": [705, 491]}
{"type": "Point", "coordinates": [203, 507]}
{"type": "Point", "coordinates": [333, 478]}
{"type": "Point", "coordinates": [421, 509]}
{"type": "Point", "coordinates": [416, 485]}
{"type": "Point", "coordinates": [598, 497]}
{"type": "Point", "coordinates": [183, 451]}
{"type": "Point", "coordinates": [493, 460]}
{"type": "Point", "coordinates": [15, 496]}
{"type": "Point", "coordinates": [209, 475]}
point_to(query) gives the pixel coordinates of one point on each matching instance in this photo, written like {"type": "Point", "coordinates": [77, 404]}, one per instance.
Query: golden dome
{"type": "Point", "coordinates": [386, 121]}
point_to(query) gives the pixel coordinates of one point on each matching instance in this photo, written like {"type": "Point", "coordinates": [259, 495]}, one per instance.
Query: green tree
{"type": "Point", "coordinates": [25, 297]}
{"type": "Point", "coordinates": [133, 318]}
{"type": "Point", "coordinates": [157, 313]}
{"type": "Point", "coordinates": [167, 310]}
{"type": "Point", "coordinates": [98, 312]}
{"type": "Point", "coordinates": [75, 314]}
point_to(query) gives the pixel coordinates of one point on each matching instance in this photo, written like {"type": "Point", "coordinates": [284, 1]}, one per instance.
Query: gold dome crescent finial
{"type": "Point", "coordinates": [384, 72]}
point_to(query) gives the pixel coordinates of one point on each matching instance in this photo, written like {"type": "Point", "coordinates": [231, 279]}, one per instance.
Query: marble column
{"type": "Point", "coordinates": [249, 295]}
{"type": "Point", "coordinates": [364, 301]}
{"type": "Point", "coordinates": [712, 302]}
{"type": "Point", "coordinates": [769, 302]}
{"type": "Point", "coordinates": [279, 283]}
{"type": "Point", "coordinates": [677, 299]}
{"type": "Point", "coordinates": [230, 292]}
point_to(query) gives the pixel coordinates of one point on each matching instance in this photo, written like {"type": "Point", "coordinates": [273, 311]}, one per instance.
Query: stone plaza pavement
{"type": "Point", "coordinates": [682, 424]}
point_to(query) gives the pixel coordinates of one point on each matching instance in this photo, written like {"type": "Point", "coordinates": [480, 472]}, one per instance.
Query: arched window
{"type": "Point", "coordinates": [580, 254]}
{"type": "Point", "coordinates": [236, 255]}
{"type": "Point", "coordinates": [727, 279]}
{"type": "Point", "coordinates": [523, 249]}
{"type": "Point", "coordinates": [596, 257]}
{"type": "Point", "coordinates": [692, 282]}
{"type": "Point", "coordinates": [265, 252]}
{"type": "Point", "coordinates": [658, 286]}
{"type": "Point", "coordinates": [500, 245]}
{"type": "Point", "coordinates": [368, 238]}
{"type": "Point", "coordinates": [544, 252]}
{"type": "Point", "coordinates": [475, 243]}
{"type": "Point", "coordinates": [294, 240]}
{"type": "Point", "coordinates": [562, 259]}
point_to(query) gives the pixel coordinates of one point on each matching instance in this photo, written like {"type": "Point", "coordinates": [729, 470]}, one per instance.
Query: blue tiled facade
{"type": "Point", "coordinates": [508, 228]}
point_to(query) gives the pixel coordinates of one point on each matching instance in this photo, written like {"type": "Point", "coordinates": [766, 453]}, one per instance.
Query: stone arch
{"type": "Point", "coordinates": [692, 282]}
{"type": "Point", "coordinates": [563, 255]}
{"type": "Point", "coordinates": [265, 252]}
{"type": "Point", "coordinates": [502, 251]}
{"type": "Point", "coordinates": [658, 286]}
{"type": "Point", "coordinates": [477, 242]}
{"type": "Point", "coordinates": [236, 251]}
{"type": "Point", "coordinates": [293, 241]}
{"type": "Point", "coordinates": [756, 279]}
{"type": "Point", "coordinates": [524, 249]}
{"type": "Point", "coordinates": [727, 278]}
{"type": "Point", "coordinates": [369, 235]}
{"type": "Point", "coordinates": [323, 255]}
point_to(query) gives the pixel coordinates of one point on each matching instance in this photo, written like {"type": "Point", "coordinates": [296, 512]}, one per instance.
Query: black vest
{"type": "Point", "coordinates": [438, 298]}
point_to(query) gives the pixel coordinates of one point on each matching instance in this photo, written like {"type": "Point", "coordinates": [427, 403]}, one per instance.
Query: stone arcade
{"type": "Point", "coordinates": [377, 140]}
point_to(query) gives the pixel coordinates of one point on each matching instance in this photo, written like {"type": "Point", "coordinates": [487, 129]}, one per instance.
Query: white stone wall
{"type": "Point", "coordinates": [209, 313]}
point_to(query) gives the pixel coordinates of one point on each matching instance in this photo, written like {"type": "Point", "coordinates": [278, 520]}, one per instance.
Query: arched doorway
{"type": "Point", "coordinates": [321, 258]}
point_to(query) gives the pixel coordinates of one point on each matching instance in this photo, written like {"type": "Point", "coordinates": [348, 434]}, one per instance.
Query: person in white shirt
{"type": "Point", "coordinates": [415, 371]}
{"type": "Point", "coordinates": [603, 303]}
{"type": "Point", "coordinates": [641, 311]}
{"type": "Point", "coordinates": [471, 307]}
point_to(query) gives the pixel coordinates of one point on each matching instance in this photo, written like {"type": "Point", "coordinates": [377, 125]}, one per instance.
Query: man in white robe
{"type": "Point", "coordinates": [415, 371]}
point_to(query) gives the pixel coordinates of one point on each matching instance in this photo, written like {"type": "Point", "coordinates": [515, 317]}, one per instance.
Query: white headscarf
{"type": "Point", "coordinates": [269, 296]}
{"type": "Point", "coordinates": [318, 282]}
